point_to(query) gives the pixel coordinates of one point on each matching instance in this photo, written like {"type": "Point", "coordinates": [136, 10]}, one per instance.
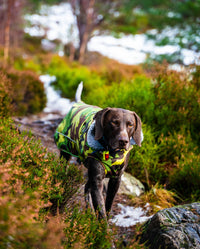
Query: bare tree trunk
{"type": "Point", "coordinates": [85, 25]}
{"type": "Point", "coordinates": [83, 46]}
{"type": "Point", "coordinates": [88, 17]}
{"type": "Point", "coordinates": [7, 31]}
{"type": "Point", "coordinates": [71, 52]}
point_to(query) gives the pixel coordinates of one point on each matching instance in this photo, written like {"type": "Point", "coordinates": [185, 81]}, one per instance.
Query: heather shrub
{"type": "Point", "coordinates": [26, 92]}
{"type": "Point", "coordinates": [176, 102]}
{"type": "Point", "coordinates": [30, 97]}
{"type": "Point", "coordinates": [83, 230]}
{"type": "Point", "coordinates": [31, 180]}
{"type": "Point", "coordinates": [168, 160]}
{"type": "Point", "coordinates": [196, 78]}
{"type": "Point", "coordinates": [181, 158]}
{"type": "Point", "coordinates": [97, 96]}
{"type": "Point", "coordinates": [173, 146]}
{"type": "Point", "coordinates": [64, 182]}
{"type": "Point", "coordinates": [172, 161]}
{"type": "Point", "coordinates": [136, 95]}
{"type": "Point", "coordinates": [20, 202]}
{"type": "Point", "coordinates": [186, 178]}
{"type": "Point", "coordinates": [144, 161]}
{"type": "Point", "coordinates": [112, 71]}
{"type": "Point", "coordinates": [57, 64]}
{"type": "Point", "coordinates": [38, 168]}
{"type": "Point", "coordinates": [34, 185]}
{"type": "Point", "coordinates": [5, 100]}
{"type": "Point", "coordinates": [68, 80]}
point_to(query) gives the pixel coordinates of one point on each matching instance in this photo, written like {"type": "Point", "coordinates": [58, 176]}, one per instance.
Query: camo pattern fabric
{"type": "Point", "coordinates": [71, 137]}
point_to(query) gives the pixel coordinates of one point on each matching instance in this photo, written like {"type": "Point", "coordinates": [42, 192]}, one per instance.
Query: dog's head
{"type": "Point", "coordinates": [119, 127]}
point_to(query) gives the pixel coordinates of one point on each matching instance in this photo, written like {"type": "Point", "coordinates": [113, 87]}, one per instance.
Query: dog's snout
{"type": "Point", "coordinates": [123, 143]}
{"type": "Point", "coordinates": [123, 140]}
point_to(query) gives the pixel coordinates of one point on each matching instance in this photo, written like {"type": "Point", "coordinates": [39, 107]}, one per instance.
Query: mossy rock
{"type": "Point", "coordinates": [174, 228]}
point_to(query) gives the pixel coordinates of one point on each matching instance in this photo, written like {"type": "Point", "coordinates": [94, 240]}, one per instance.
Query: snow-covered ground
{"type": "Point", "coordinates": [130, 216]}
{"type": "Point", "coordinates": [134, 49]}
{"type": "Point", "coordinates": [55, 103]}
{"type": "Point", "coordinates": [55, 22]}
{"type": "Point", "coordinates": [58, 22]}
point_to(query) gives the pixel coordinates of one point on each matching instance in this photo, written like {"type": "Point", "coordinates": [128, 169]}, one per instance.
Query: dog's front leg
{"type": "Point", "coordinates": [96, 174]}
{"type": "Point", "coordinates": [113, 186]}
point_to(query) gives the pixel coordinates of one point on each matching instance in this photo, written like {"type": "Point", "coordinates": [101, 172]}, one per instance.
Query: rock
{"type": "Point", "coordinates": [174, 228]}
{"type": "Point", "coordinates": [130, 185]}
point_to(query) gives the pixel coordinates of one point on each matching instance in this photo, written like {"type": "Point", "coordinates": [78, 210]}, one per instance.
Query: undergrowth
{"type": "Point", "coordinates": [21, 92]}
{"type": "Point", "coordinates": [156, 199]}
{"type": "Point", "coordinates": [35, 187]}
{"type": "Point", "coordinates": [83, 230]}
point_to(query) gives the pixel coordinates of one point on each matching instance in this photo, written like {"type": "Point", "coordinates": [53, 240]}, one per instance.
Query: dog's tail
{"type": "Point", "coordinates": [79, 92]}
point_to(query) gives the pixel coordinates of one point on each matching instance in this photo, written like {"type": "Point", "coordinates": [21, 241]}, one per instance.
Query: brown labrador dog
{"type": "Point", "coordinates": [102, 140]}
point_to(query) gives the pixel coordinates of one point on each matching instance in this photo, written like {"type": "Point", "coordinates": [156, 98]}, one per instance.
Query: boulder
{"type": "Point", "coordinates": [174, 228]}
{"type": "Point", "coordinates": [130, 185]}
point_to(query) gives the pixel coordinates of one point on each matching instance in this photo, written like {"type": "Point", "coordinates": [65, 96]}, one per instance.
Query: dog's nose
{"type": "Point", "coordinates": [123, 143]}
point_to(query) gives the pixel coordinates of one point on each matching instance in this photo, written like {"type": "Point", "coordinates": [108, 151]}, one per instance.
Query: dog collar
{"type": "Point", "coordinates": [112, 162]}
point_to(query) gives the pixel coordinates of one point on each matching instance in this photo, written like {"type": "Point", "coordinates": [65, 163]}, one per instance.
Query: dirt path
{"type": "Point", "coordinates": [41, 128]}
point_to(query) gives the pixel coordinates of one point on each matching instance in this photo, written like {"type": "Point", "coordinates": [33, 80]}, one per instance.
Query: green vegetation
{"type": "Point", "coordinates": [36, 188]}
{"type": "Point", "coordinates": [167, 102]}
{"type": "Point", "coordinates": [148, 14]}
{"type": "Point", "coordinates": [83, 230]}
{"type": "Point", "coordinates": [67, 78]}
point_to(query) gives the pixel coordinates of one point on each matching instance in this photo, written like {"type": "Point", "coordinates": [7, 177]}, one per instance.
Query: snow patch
{"type": "Point", "coordinates": [125, 50]}
{"type": "Point", "coordinates": [54, 22]}
{"type": "Point", "coordinates": [58, 22]}
{"type": "Point", "coordinates": [55, 103]}
{"type": "Point", "coordinates": [130, 216]}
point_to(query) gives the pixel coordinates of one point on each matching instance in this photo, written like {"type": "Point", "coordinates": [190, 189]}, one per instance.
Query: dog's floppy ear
{"type": "Point", "coordinates": [99, 121]}
{"type": "Point", "coordinates": [137, 135]}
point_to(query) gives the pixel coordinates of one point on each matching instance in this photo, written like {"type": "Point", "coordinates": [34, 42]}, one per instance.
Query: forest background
{"type": "Point", "coordinates": [168, 102]}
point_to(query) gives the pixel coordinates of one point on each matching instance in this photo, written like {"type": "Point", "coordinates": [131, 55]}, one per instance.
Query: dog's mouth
{"type": "Point", "coordinates": [118, 147]}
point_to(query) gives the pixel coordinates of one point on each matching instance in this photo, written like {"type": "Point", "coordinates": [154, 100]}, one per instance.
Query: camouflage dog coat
{"type": "Point", "coordinates": [75, 135]}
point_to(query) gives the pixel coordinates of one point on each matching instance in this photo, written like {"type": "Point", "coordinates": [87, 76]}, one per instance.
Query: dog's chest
{"type": "Point", "coordinates": [113, 162]}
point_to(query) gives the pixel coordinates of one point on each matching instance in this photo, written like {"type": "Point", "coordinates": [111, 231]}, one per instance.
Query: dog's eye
{"type": "Point", "coordinates": [130, 125]}
{"type": "Point", "coordinates": [115, 122]}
